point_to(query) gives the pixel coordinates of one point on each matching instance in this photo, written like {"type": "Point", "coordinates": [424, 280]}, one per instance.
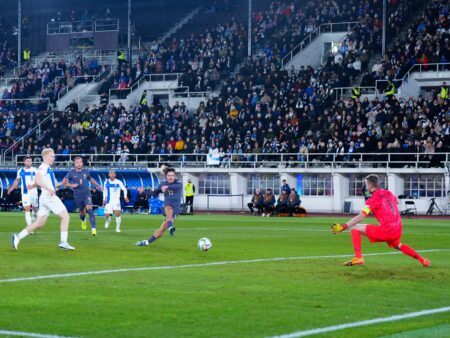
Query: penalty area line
{"type": "Point", "coordinates": [198, 265]}
{"type": "Point", "coordinates": [29, 334]}
{"type": "Point", "coordinates": [393, 318]}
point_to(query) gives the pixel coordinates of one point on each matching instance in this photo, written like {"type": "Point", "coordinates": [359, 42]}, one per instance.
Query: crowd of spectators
{"type": "Point", "coordinates": [8, 50]}
{"type": "Point", "coordinates": [48, 80]}
{"type": "Point", "coordinates": [263, 109]}
{"type": "Point", "coordinates": [426, 41]}
{"type": "Point", "coordinates": [258, 121]}
{"type": "Point", "coordinates": [202, 58]}
{"type": "Point", "coordinates": [81, 15]}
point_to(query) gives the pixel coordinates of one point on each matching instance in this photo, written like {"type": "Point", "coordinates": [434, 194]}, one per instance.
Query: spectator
{"type": "Point", "coordinates": [282, 206]}
{"type": "Point", "coordinates": [294, 202]}
{"type": "Point", "coordinates": [257, 203]}
{"type": "Point", "coordinates": [285, 187]}
{"type": "Point", "coordinates": [269, 203]}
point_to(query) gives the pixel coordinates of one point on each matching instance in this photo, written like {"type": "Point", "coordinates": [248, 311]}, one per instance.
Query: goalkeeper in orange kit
{"type": "Point", "coordinates": [383, 205]}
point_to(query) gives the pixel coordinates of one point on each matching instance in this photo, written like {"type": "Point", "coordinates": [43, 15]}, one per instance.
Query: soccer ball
{"type": "Point", "coordinates": [204, 244]}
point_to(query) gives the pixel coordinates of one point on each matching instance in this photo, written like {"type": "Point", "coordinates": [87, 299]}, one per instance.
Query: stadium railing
{"type": "Point", "coordinates": [253, 160]}
{"type": "Point", "coordinates": [172, 78]}
{"type": "Point", "coordinates": [85, 79]}
{"type": "Point", "coordinates": [323, 28]}
{"type": "Point", "coordinates": [438, 68]}
{"type": "Point", "coordinates": [347, 91]}
{"type": "Point", "coordinates": [69, 27]}
{"type": "Point", "coordinates": [21, 140]}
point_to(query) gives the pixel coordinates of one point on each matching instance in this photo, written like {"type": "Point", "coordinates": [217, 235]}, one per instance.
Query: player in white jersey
{"type": "Point", "coordinates": [26, 176]}
{"type": "Point", "coordinates": [48, 202]}
{"type": "Point", "coordinates": [111, 198]}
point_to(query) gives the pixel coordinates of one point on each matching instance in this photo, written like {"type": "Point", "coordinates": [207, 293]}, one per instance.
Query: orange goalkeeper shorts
{"type": "Point", "coordinates": [376, 234]}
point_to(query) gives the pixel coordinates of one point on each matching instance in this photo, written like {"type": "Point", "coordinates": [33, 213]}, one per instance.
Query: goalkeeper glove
{"type": "Point", "coordinates": [336, 227]}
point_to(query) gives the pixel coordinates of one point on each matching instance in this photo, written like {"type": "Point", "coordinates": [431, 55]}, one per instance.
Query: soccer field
{"type": "Point", "coordinates": [263, 277]}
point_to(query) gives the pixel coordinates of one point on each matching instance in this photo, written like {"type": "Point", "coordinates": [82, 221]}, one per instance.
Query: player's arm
{"type": "Point", "coordinates": [175, 186]}
{"type": "Point", "coordinates": [94, 182]}
{"type": "Point", "coordinates": [14, 185]}
{"type": "Point", "coordinates": [65, 183]}
{"type": "Point", "coordinates": [105, 194]}
{"type": "Point", "coordinates": [39, 181]}
{"type": "Point", "coordinates": [337, 227]}
{"type": "Point", "coordinates": [32, 186]}
{"type": "Point", "coordinates": [152, 192]}
{"type": "Point", "coordinates": [125, 192]}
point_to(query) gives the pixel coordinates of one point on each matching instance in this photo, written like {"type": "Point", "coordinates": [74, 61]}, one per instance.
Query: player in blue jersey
{"type": "Point", "coordinates": [78, 179]}
{"type": "Point", "coordinates": [26, 176]}
{"type": "Point", "coordinates": [172, 189]}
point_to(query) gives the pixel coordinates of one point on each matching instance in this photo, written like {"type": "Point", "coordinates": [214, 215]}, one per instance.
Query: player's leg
{"type": "Point", "coordinates": [108, 213]}
{"type": "Point", "coordinates": [34, 210]}
{"type": "Point", "coordinates": [79, 203]}
{"type": "Point", "coordinates": [26, 203]}
{"type": "Point", "coordinates": [27, 211]}
{"type": "Point", "coordinates": [118, 219]}
{"type": "Point", "coordinates": [407, 250]}
{"type": "Point", "coordinates": [65, 219]}
{"type": "Point", "coordinates": [58, 208]}
{"type": "Point", "coordinates": [168, 222]}
{"type": "Point", "coordinates": [34, 203]}
{"type": "Point", "coordinates": [107, 220]}
{"type": "Point", "coordinates": [90, 212]}
{"type": "Point", "coordinates": [356, 232]}
{"type": "Point", "coordinates": [16, 238]}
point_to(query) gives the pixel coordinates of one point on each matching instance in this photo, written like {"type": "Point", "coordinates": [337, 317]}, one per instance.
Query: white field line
{"type": "Point", "coordinates": [28, 334]}
{"type": "Point", "coordinates": [364, 323]}
{"type": "Point", "coordinates": [186, 266]}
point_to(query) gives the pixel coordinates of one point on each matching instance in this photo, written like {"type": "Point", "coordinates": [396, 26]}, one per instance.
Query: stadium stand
{"type": "Point", "coordinates": [49, 80]}
{"type": "Point", "coordinates": [262, 113]}
{"type": "Point", "coordinates": [8, 47]}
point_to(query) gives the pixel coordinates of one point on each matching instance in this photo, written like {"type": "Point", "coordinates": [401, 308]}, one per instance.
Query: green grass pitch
{"type": "Point", "coordinates": [245, 299]}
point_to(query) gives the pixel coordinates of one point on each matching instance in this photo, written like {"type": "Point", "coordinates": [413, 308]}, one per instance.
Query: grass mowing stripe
{"type": "Point", "coordinates": [185, 266]}
{"type": "Point", "coordinates": [364, 323]}
{"type": "Point", "coordinates": [28, 334]}
{"type": "Point", "coordinates": [235, 228]}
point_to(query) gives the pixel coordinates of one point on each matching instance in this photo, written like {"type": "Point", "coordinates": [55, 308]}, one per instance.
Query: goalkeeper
{"type": "Point", "coordinates": [383, 204]}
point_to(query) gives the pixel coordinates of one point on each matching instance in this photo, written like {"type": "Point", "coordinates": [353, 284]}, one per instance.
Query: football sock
{"type": "Point", "coordinates": [24, 233]}
{"type": "Point", "coordinates": [28, 217]}
{"type": "Point", "coordinates": [118, 221]}
{"type": "Point", "coordinates": [407, 250]}
{"type": "Point", "coordinates": [170, 224]}
{"type": "Point", "coordinates": [82, 217]}
{"type": "Point", "coordinates": [108, 220]}
{"type": "Point", "coordinates": [91, 218]}
{"type": "Point", "coordinates": [356, 240]}
{"type": "Point", "coordinates": [64, 235]}
{"type": "Point", "coordinates": [152, 239]}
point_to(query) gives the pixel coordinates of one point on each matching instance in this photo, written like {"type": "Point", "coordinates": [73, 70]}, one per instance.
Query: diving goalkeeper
{"type": "Point", "coordinates": [383, 204]}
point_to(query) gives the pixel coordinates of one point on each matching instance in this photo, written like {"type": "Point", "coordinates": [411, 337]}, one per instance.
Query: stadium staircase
{"type": "Point", "coordinates": [8, 155]}
{"type": "Point", "coordinates": [318, 43]}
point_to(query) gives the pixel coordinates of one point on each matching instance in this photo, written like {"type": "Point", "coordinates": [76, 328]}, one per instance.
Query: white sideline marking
{"type": "Point", "coordinates": [185, 266]}
{"type": "Point", "coordinates": [364, 323]}
{"type": "Point", "coordinates": [28, 334]}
